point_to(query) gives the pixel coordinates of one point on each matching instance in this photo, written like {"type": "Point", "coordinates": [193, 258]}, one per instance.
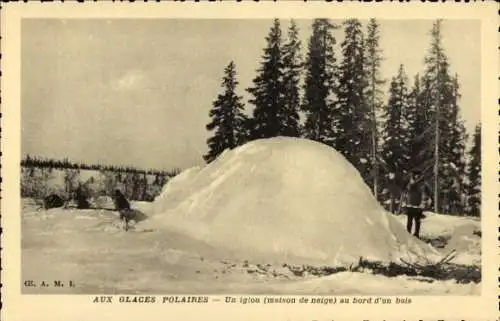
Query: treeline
{"type": "Point", "coordinates": [42, 162]}
{"type": "Point", "coordinates": [39, 182]}
{"type": "Point", "coordinates": [43, 176]}
{"type": "Point", "coordinates": [340, 101]}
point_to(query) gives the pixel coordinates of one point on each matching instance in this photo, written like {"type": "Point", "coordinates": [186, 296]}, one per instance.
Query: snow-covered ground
{"type": "Point", "coordinates": [269, 217]}
{"type": "Point", "coordinates": [89, 248]}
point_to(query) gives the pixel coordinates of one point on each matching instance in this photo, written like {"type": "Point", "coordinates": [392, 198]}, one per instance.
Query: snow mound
{"type": "Point", "coordinates": [175, 190]}
{"type": "Point", "coordinates": [285, 199]}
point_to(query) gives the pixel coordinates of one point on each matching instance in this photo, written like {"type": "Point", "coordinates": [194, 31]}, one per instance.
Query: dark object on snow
{"type": "Point", "coordinates": [81, 198]}
{"type": "Point", "coordinates": [53, 201]}
{"type": "Point", "coordinates": [123, 206]}
{"type": "Point", "coordinates": [120, 201]}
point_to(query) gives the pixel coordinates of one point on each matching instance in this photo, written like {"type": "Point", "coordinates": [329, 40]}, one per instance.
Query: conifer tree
{"type": "Point", "coordinates": [353, 136]}
{"type": "Point", "coordinates": [128, 184]}
{"type": "Point", "coordinates": [292, 69]}
{"type": "Point", "coordinates": [474, 175]}
{"type": "Point", "coordinates": [395, 153]}
{"type": "Point", "coordinates": [454, 140]}
{"type": "Point", "coordinates": [267, 90]}
{"type": "Point", "coordinates": [228, 120]}
{"type": "Point", "coordinates": [320, 80]}
{"type": "Point", "coordinates": [70, 181]}
{"type": "Point", "coordinates": [420, 132]}
{"type": "Point", "coordinates": [434, 90]}
{"type": "Point", "coordinates": [373, 60]}
{"type": "Point", "coordinates": [440, 92]}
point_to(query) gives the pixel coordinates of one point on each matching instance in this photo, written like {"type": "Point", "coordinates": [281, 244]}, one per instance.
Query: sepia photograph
{"type": "Point", "coordinates": [251, 156]}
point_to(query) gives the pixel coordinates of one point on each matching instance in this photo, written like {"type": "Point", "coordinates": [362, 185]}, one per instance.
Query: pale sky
{"type": "Point", "coordinates": [138, 92]}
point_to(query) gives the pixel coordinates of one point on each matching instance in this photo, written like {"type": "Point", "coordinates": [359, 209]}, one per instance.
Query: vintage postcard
{"type": "Point", "coordinates": [241, 160]}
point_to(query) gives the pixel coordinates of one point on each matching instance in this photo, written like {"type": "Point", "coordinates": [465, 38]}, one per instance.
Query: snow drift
{"type": "Point", "coordinates": [285, 199]}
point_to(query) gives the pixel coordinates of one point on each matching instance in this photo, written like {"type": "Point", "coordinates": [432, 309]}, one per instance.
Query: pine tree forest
{"type": "Point", "coordinates": [330, 89]}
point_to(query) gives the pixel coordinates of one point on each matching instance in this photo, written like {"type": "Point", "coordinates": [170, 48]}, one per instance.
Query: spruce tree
{"type": "Point", "coordinates": [129, 185]}
{"type": "Point", "coordinates": [420, 132]}
{"type": "Point", "coordinates": [373, 60]}
{"type": "Point", "coordinates": [319, 102]}
{"type": "Point", "coordinates": [454, 154]}
{"type": "Point", "coordinates": [292, 69]}
{"type": "Point", "coordinates": [353, 135]}
{"type": "Point", "coordinates": [228, 120]}
{"type": "Point", "coordinates": [70, 181]}
{"type": "Point", "coordinates": [441, 95]}
{"type": "Point", "coordinates": [395, 153]}
{"type": "Point", "coordinates": [474, 175]}
{"type": "Point", "coordinates": [434, 89]}
{"type": "Point", "coordinates": [267, 90]}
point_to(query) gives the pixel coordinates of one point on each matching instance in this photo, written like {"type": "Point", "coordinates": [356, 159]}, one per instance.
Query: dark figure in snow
{"type": "Point", "coordinates": [415, 195]}
{"type": "Point", "coordinates": [52, 201]}
{"type": "Point", "coordinates": [123, 207]}
{"type": "Point", "coordinates": [81, 198]}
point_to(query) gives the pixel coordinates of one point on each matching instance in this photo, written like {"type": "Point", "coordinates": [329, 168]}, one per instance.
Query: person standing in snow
{"type": "Point", "coordinates": [414, 198]}
{"type": "Point", "coordinates": [123, 207]}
